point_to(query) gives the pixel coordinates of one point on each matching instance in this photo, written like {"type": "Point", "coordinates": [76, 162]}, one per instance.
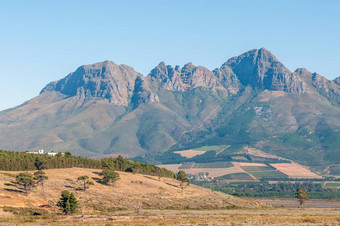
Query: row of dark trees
{"type": "Point", "coordinates": [272, 190]}
{"type": "Point", "coordinates": [21, 161]}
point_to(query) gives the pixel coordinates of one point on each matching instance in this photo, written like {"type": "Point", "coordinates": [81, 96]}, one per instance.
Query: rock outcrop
{"type": "Point", "coordinates": [260, 68]}
{"type": "Point", "coordinates": [105, 80]}
{"type": "Point", "coordinates": [186, 78]}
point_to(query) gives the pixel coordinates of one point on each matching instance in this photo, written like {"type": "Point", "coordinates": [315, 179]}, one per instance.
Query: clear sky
{"type": "Point", "coordinates": [42, 41]}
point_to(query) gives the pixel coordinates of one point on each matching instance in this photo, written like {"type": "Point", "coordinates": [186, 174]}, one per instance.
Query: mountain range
{"type": "Point", "coordinates": [251, 100]}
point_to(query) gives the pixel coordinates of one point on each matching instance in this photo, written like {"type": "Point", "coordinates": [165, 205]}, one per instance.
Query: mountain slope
{"type": "Point", "coordinates": [252, 99]}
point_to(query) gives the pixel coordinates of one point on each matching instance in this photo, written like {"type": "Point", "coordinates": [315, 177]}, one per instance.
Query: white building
{"type": "Point", "coordinates": [41, 152]}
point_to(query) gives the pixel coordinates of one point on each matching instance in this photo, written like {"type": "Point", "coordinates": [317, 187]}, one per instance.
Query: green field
{"type": "Point", "coordinates": [213, 165]}
{"type": "Point", "coordinates": [332, 185]}
{"type": "Point", "coordinates": [235, 176]}
{"type": "Point", "coordinates": [240, 158]}
{"type": "Point", "coordinates": [207, 148]}
{"type": "Point", "coordinates": [268, 174]}
{"type": "Point", "coordinates": [335, 170]}
{"type": "Point", "coordinates": [257, 168]}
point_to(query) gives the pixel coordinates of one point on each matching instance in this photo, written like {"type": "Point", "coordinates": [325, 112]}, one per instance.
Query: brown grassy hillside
{"type": "Point", "coordinates": [132, 191]}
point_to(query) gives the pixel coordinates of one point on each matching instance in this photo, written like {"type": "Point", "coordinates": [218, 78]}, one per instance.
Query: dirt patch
{"type": "Point", "coordinates": [294, 170]}
{"type": "Point", "coordinates": [259, 153]}
{"type": "Point", "coordinates": [267, 95]}
{"type": "Point", "coordinates": [190, 153]}
{"type": "Point", "coordinates": [172, 167]}
{"type": "Point", "coordinates": [250, 164]}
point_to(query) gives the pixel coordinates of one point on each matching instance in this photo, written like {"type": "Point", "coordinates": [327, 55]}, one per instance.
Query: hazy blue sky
{"type": "Point", "coordinates": [42, 41]}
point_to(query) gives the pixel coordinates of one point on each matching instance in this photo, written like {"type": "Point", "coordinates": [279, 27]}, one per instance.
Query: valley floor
{"type": "Point", "coordinates": [264, 216]}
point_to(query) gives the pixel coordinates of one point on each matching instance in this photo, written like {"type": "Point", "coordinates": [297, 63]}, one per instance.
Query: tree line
{"type": "Point", "coordinates": [22, 161]}
{"type": "Point", "coordinates": [275, 190]}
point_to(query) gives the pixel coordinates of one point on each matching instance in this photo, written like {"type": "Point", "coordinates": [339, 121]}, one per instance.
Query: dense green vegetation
{"type": "Point", "coordinates": [20, 161]}
{"type": "Point", "coordinates": [275, 190]}
{"type": "Point", "coordinates": [213, 165]}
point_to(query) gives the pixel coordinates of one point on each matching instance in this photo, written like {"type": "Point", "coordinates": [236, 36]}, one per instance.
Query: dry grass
{"type": "Point", "coordinates": [271, 216]}
{"type": "Point", "coordinates": [160, 202]}
{"type": "Point", "coordinates": [130, 192]}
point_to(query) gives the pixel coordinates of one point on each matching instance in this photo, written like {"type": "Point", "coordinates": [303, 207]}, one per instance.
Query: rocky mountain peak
{"type": "Point", "coordinates": [186, 78]}
{"type": "Point", "coordinates": [260, 68]}
{"type": "Point", "coordinates": [105, 80]}
{"type": "Point", "coordinates": [337, 80]}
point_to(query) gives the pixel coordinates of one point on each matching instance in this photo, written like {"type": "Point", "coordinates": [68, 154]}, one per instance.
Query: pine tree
{"type": "Point", "coordinates": [25, 180]}
{"type": "Point", "coordinates": [40, 177]}
{"type": "Point", "coordinates": [109, 176]}
{"type": "Point", "coordinates": [85, 180]}
{"type": "Point", "coordinates": [67, 203]}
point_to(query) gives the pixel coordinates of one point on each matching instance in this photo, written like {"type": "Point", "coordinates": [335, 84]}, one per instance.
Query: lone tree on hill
{"type": "Point", "coordinates": [110, 176]}
{"type": "Point", "coordinates": [86, 181]}
{"type": "Point", "coordinates": [25, 180]}
{"type": "Point", "coordinates": [67, 203]}
{"type": "Point", "coordinates": [301, 195]}
{"type": "Point", "coordinates": [182, 177]}
{"type": "Point", "coordinates": [40, 177]}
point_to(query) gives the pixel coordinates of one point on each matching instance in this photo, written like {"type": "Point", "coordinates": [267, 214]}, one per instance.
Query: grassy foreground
{"type": "Point", "coordinates": [138, 199]}
{"type": "Point", "coordinates": [264, 216]}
